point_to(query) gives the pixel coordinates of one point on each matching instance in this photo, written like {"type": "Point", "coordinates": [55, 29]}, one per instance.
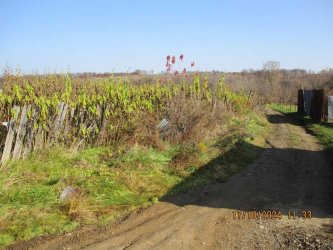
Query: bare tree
{"type": "Point", "coordinates": [272, 75]}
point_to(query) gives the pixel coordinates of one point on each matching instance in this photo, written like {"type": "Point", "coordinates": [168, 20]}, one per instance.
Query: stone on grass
{"type": "Point", "coordinates": [163, 125]}
{"type": "Point", "coordinates": [67, 193]}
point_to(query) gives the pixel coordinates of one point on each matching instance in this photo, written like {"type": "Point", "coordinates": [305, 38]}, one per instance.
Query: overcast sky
{"type": "Point", "coordinates": [124, 35]}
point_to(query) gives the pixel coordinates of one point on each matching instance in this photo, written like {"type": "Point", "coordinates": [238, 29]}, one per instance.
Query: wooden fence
{"type": "Point", "coordinates": [23, 136]}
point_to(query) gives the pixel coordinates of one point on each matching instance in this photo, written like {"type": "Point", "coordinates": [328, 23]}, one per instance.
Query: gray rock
{"type": "Point", "coordinates": [163, 125]}
{"type": "Point", "coordinates": [67, 193]}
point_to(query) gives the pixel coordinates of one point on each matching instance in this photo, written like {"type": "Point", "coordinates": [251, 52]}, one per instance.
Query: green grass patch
{"type": "Point", "coordinates": [283, 108]}
{"type": "Point", "coordinates": [29, 201]}
{"type": "Point", "coordinates": [111, 182]}
{"type": "Point", "coordinates": [324, 133]}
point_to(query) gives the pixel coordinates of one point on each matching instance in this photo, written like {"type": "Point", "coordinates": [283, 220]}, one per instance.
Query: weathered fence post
{"type": "Point", "coordinates": [30, 134]}
{"type": "Point", "coordinates": [19, 144]}
{"type": "Point", "coordinates": [59, 121]}
{"type": "Point", "coordinates": [10, 136]}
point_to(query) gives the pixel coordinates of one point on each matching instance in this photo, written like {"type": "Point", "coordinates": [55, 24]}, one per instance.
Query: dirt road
{"type": "Point", "coordinates": [292, 174]}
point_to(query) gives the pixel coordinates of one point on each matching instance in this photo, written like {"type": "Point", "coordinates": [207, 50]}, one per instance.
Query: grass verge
{"type": "Point", "coordinates": [111, 182]}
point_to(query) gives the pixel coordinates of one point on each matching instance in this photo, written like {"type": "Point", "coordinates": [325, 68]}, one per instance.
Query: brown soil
{"type": "Point", "coordinates": [292, 174]}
